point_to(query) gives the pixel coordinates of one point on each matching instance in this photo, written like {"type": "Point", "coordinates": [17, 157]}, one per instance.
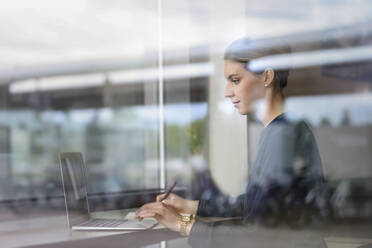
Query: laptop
{"type": "Point", "coordinates": [74, 182]}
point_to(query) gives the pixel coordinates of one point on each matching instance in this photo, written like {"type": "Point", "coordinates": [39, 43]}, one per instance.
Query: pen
{"type": "Point", "coordinates": [169, 191]}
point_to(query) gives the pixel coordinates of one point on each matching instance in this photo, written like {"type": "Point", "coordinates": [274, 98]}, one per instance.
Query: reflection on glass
{"type": "Point", "coordinates": [113, 142]}
{"type": "Point", "coordinates": [96, 91]}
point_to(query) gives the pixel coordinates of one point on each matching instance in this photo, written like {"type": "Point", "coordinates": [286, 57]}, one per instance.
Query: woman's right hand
{"type": "Point", "coordinates": [180, 204]}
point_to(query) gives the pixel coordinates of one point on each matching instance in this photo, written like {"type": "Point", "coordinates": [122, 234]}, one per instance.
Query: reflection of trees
{"type": "Point", "coordinates": [184, 147]}
{"type": "Point", "coordinates": [94, 142]}
{"type": "Point", "coordinates": [112, 150]}
{"type": "Point", "coordinates": [176, 138]}
{"type": "Point", "coordinates": [345, 120]}
{"type": "Point", "coordinates": [196, 136]}
{"type": "Point", "coordinates": [5, 163]}
{"type": "Point", "coordinates": [37, 146]}
{"type": "Point", "coordinates": [183, 139]}
{"type": "Point", "coordinates": [324, 122]}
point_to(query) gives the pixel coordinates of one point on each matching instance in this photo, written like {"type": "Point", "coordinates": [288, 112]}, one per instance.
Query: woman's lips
{"type": "Point", "coordinates": [236, 104]}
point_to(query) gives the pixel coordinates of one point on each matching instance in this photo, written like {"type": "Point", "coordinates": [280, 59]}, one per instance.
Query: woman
{"type": "Point", "coordinates": [287, 166]}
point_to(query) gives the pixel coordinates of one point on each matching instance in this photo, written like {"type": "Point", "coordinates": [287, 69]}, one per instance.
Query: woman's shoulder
{"type": "Point", "coordinates": [303, 130]}
{"type": "Point", "coordinates": [287, 127]}
{"type": "Point", "coordinates": [297, 121]}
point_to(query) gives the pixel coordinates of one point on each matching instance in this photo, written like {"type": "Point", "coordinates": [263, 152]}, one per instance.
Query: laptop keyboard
{"type": "Point", "coordinates": [103, 223]}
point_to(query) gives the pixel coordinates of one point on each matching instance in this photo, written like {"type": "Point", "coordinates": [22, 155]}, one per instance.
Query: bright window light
{"type": "Point", "coordinates": [57, 83]}
{"type": "Point", "coordinates": [171, 72]}
{"type": "Point", "coordinates": [118, 77]}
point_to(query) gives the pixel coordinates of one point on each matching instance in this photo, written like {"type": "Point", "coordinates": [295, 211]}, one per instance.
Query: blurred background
{"type": "Point", "coordinates": [137, 86]}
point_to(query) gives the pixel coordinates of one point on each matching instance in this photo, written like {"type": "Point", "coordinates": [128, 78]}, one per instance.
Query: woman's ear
{"type": "Point", "coordinates": [269, 75]}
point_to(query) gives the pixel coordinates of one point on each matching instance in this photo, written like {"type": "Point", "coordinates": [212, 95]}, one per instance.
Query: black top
{"type": "Point", "coordinates": [287, 166]}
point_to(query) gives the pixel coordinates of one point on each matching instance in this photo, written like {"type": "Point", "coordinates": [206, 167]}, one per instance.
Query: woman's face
{"type": "Point", "coordinates": [242, 87]}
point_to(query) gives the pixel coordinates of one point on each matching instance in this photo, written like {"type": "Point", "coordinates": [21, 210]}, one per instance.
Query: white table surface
{"type": "Point", "coordinates": [35, 231]}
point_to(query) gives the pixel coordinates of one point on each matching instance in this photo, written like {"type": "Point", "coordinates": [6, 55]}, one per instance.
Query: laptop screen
{"type": "Point", "coordinates": [75, 187]}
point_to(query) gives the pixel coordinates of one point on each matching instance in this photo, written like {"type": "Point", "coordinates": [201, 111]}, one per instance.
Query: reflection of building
{"type": "Point", "coordinates": [117, 154]}
{"type": "Point", "coordinates": [324, 122]}
{"type": "Point", "coordinates": [347, 165]}
{"type": "Point", "coordinates": [5, 163]}
{"type": "Point", "coordinates": [345, 151]}
{"type": "Point", "coordinates": [345, 121]}
{"type": "Point", "coordinates": [94, 143]}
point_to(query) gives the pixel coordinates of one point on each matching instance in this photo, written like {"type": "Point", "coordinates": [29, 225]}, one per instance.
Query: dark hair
{"type": "Point", "coordinates": [244, 50]}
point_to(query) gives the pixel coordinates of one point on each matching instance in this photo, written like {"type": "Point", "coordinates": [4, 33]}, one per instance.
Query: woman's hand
{"type": "Point", "coordinates": [180, 204]}
{"type": "Point", "coordinates": [163, 213]}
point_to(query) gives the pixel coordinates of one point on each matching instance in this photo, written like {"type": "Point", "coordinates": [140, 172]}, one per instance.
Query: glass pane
{"type": "Point", "coordinates": [78, 76]}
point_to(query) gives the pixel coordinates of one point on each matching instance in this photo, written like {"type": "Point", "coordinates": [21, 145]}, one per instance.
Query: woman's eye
{"type": "Point", "coordinates": [235, 81]}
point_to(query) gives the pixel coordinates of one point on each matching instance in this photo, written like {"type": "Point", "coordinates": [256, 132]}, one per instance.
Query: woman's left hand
{"type": "Point", "coordinates": [163, 213]}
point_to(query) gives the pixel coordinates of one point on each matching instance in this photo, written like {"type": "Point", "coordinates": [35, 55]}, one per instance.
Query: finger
{"type": "Point", "coordinates": [170, 201]}
{"type": "Point", "coordinates": [142, 208]}
{"type": "Point", "coordinates": [159, 197]}
{"type": "Point", "coordinates": [147, 206]}
{"type": "Point", "coordinates": [150, 206]}
{"type": "Point", "coordinates": [159, 207]}
{"type": "Point", "coordinates": [148, 215]}
{"type": "Point", "coordinates": [139, 218]}
{"type": "Point", "coordinates": [160, 210]}
{"type": "Point", "coordinates": [154, 213]}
